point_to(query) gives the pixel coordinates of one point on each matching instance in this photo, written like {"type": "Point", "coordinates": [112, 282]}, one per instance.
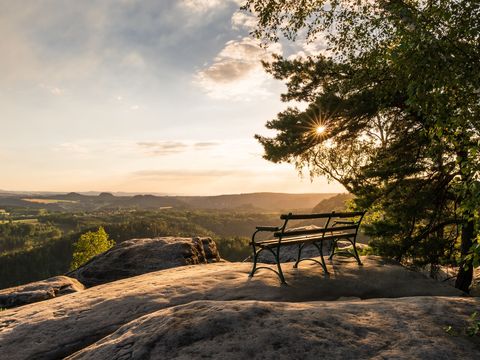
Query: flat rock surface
{"type": "Point", "coordinates": [59, 327]}
{"type": "Point", "coordinates": [139, 256]}
{"type": "Point", "coordinates": [407, 328]}
{"type": "Point", "coordinates": [39, 291]}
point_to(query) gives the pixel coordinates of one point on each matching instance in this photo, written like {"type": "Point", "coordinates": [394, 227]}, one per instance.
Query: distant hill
{"type": "Point", "coordinates": [262, 201]}
{"type": "Point", "coordinates": [72, 201]}
{"type": "Point", "coordinates": [333, 203]}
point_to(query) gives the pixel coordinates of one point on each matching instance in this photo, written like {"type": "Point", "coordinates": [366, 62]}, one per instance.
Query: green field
{"type": "Point", "coordinates": [20, 221]}
{"type": "Point", "coordinates": [49, 201]}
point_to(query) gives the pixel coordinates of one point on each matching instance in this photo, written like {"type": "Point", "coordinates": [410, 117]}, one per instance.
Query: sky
{"type": "Point", "coordinates": [148, 96]}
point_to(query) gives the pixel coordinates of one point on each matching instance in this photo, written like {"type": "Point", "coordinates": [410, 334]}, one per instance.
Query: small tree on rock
{"type": "Point", "coordinates": [89, 245]}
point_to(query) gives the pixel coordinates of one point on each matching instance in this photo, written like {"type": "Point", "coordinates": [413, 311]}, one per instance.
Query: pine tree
{"type": "Point", "coordinates": [394, 115]}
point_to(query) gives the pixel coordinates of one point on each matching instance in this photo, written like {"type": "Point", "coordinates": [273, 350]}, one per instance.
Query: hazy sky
{"type": "Point", "coordinates": [137, 95]}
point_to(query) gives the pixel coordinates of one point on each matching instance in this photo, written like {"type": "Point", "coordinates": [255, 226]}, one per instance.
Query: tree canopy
{"type": "Point", "coordinates": [396, 93]}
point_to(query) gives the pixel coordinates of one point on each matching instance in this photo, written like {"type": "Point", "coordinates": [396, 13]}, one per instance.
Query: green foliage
{"type": "Point", "coordinates": [450, 330]}
{"type": "Point", "coordinates": [472, 328]}
{"type": "Point", "coordinates": [41, 262]}
{"type": "Point", "coordinates": [234, 248]}
{"type": "Point", "coordinates": [367, 250]}
{"type": "Point", "coordinates": [397, 91]}
{"type": "Point", "coordinates": [473, 256]}
{"type": "Point", "coordinates": [89, 245]}
{"type": "Point", "coordinates": [37, 251]}
{"type": "Point", "coordinates": [18, 236]}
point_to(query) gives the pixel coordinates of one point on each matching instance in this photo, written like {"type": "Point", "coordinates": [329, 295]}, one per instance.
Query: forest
{"type": "Point", "coordinates": [36, 250]}
{"type": "Point", "coordinates": [36, 243]}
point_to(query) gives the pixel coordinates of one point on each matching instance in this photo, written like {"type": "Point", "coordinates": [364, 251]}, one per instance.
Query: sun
{"type": "Point", "coordinates": [320, 129]}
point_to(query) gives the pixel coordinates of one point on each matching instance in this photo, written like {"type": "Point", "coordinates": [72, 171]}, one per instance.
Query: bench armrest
{"type": "Point", "coordinates": [268, 228]}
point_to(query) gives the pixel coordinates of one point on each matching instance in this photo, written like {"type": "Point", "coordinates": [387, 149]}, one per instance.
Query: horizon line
{"type": "Point", "coordinates": [153, 193]}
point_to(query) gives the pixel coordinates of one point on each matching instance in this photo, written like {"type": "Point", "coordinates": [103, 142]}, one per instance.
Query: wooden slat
{"type": "Point", "coordinates": [313, 231]}
{"type": "Point", "coordinates": [268, 228]}
{"type": "Point", "coordinates": [303, 239]}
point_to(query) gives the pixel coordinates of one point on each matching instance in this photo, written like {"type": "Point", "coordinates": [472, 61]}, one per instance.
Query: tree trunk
{"type": "Point", "coordinates": [465, 276]}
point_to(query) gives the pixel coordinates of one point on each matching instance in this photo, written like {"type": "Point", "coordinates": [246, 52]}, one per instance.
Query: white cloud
{"type": "Point", "coordinates": [160, 148]}
{"type": "Point", "coordinates": [242, 20]}
{"type": "Point", "coordinates": [207, 5]}
{"type": "Point", "coordinates": [310, 48]}
{"type": "Point", "coordinates": [87, 148]}
{"type": "Point", "coordinates": [202, 5]}
{"type": "Point", "coordinates": [205, 145]}
{"type": "Point", "coordinates": [236, 72]}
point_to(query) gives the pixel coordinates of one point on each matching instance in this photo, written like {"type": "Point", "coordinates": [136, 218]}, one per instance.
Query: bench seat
{"type": "Point", "coordinates": [303, 239]}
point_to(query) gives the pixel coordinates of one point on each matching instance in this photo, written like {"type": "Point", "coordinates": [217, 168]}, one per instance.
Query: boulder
{"type": "Point", "coordinates": [139, 256]}
{"type": "Point", "coordinates": [39, 291]}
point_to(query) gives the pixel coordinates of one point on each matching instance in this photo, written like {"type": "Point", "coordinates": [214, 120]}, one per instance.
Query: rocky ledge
{"type": "Point", "coordinates": [407, 328]}
{"type": "Point", "coordinates": [39, 291]}
{"type": "Point", "coordinates": [214, 310]}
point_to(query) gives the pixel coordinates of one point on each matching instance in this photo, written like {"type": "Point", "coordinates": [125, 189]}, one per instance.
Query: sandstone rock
{"type": "Point", "coordinates": [448, 275]}
{"type": "Point", "coordinates": [39, 291]}
{"type": "Point", "coordinates": [139, 256]}
{"type": "Point", "coordinates": [59, 327]}
{"type": "Point", "coordinates": [210, 248]}
{"type": "Point", "coordinates": [408, 328]}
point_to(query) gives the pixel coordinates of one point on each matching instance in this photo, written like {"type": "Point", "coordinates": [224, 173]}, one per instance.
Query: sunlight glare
{"type": "Point", "coordinates": [320, 129]}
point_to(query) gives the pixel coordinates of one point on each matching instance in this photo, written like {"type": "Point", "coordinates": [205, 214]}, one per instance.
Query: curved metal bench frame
{"type": "Point", "coordinates": [315, 237]}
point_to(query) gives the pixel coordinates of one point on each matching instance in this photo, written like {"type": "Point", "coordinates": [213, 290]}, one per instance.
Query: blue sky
{"type": "Point", "coordinates": [140, 96]}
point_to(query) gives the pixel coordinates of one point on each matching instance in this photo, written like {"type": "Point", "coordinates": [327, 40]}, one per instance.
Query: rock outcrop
{"type": "Point", "coordinates": [60, 327]}
{"type": "Point", "coordinates": [140, 256]}
{"type": "Point", "coordinates": [39, 291]}
{"type": "Point", "coordinates": [407, 328]}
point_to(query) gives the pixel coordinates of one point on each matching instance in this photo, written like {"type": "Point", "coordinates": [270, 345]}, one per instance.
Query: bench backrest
{"type": "Point", "coordinates": [334, 222]}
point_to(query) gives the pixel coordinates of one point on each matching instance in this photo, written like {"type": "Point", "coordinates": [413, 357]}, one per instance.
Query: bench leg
{"type": "Point", "coordinates": [255, 256]}
{"type": "Point", "coordinates": [280, 272]}
{"type": "Point", "coordinates": [320, 250]}
{"type": "Point", "coordinates": [355, 253]}
{"type": "Point", "coordinates": [332, 249]}
{"type": "Point", "coordinates": [300, 247]}
{"type": "Point", "coordinates": [330, 246]}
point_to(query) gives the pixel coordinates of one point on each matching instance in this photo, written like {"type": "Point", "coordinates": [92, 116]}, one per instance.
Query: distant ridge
{"type": "Point", "coordinates": [260, 200]}
{"type": "Point", "coordinates": [334, 203]}
{"type": "Point", "coordinates": [73, 201]}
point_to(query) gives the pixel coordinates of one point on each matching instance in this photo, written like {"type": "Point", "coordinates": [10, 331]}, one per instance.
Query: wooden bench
{"type": "Point", "coordinates": [336, 227]}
